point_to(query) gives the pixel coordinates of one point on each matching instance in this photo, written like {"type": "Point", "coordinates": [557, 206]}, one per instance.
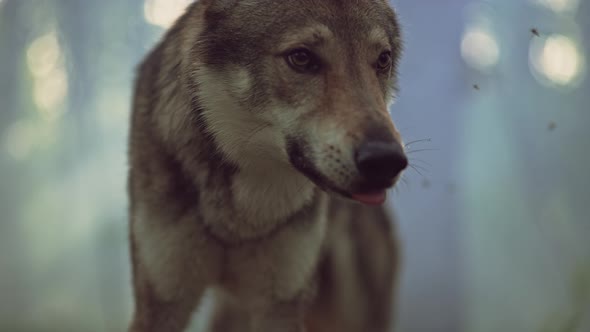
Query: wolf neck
{"type": "Point", "coordinates": [256, 190]}
{"type": "Point", "coordinates": [222, 146]}
{"type": "Point", "coordinates": [270, 194]}
{"type": "Point", "coordinates": [266, 193]}
{"type": "Point", "coordinates": [265, 188]}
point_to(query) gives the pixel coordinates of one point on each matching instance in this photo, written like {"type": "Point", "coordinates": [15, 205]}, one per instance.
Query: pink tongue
{"type": "Point", "coordinates": [375, 198]}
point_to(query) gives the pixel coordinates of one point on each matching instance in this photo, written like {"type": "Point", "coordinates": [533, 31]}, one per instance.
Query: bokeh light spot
{"type": "Point", "coordinates": [50, 92]}
{"type": "Point", "coordinates": [557, 59]}
{"type": "Point", "coordinates": [480, 49]}
{"type": "Point", "coordinates": [19, 140]}
{"type": "Point", "coordinates": [43, 54]}
{"type": "Point", "coordinates": [50, 86]}
{"type": "Point", "coordinates": [164, 13]}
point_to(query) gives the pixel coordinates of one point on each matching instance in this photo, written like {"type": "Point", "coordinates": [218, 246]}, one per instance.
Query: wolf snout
{"type": "Point", "coordinates": [380, 161]}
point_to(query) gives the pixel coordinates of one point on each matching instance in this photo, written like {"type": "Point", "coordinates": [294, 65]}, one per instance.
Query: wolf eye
{"type": "Point", "coordinates": [384, 61]}
{"type": "Point", "coordinates": [302, 61]}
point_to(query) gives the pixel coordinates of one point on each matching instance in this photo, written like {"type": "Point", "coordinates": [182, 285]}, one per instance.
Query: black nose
{"type": "Point", "coordinates": [380, 160]}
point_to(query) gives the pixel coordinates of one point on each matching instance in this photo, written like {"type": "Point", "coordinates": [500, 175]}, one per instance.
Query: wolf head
{"type": "Point", "coordinates": [305, 85]}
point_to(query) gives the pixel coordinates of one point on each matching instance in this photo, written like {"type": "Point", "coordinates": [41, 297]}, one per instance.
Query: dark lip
{"type": "Point", "coordinates": [314, 175]}
{"type": "Point", "coordinates": [296, 152]}
{"type": "Point", "coordinates": [350, 194]}
{"type": "Point", "coordinates": [327, 186]}
{"type": "Point", "coordinates": [372, 187]}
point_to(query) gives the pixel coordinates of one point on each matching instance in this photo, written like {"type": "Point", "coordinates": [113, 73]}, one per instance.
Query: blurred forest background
{"type": "Point", "coordinates": [494, 220]}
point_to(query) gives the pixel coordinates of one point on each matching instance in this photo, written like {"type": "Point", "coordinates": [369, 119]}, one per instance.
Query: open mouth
{"type": "Point", "coordinates": [372, 193]}
{"type": "Point", "coordinates": [370, 198]}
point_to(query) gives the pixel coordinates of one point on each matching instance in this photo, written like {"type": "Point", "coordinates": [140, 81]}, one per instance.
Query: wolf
{"type": "Point", "coordinates": [261, 149]}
